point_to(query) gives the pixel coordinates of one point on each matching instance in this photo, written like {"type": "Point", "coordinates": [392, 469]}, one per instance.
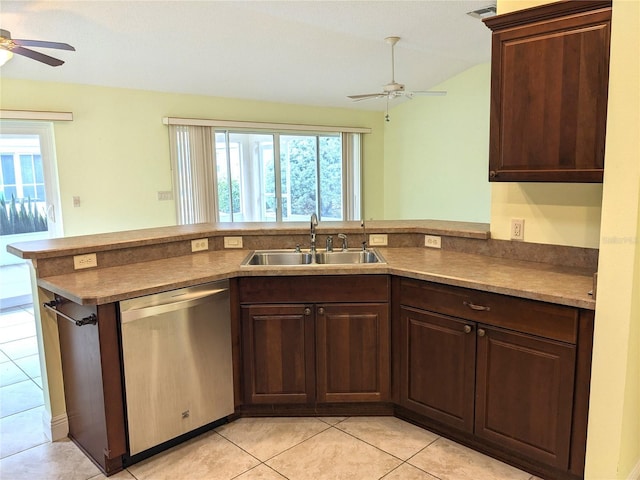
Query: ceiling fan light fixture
{"type": "Point", "coordinates": [393, 89]}
{"type": "Point", "coordinates": [5, 56]}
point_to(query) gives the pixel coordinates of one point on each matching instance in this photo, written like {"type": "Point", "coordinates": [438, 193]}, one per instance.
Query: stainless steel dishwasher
{"type": "Point", "coordinates": [176, 349]}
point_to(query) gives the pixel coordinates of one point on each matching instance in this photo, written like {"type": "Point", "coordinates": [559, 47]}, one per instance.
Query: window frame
{"type": "Point", "coordinates": [351, 157]}
{"type": "Point", "coordinates": [44, 129]}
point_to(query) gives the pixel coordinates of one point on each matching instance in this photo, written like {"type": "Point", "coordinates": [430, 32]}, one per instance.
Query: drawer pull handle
{"type": "Point", "coordinates": [307, 311]}
{"type": "Point", "coordinates": [467, 329]}
{"type": "Point", "coordinates": [473, 306]}
{"type": "Point", "coordinates": [321, 310]}
{"type": "Point", "coordinates": [481, 332]}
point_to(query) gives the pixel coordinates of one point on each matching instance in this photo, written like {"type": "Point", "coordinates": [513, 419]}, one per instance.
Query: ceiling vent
{"type": "Point", "coordinates": [485, 12]}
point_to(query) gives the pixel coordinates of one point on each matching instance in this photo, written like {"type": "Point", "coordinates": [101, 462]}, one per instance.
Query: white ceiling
{"type": "Point", "coordinates": [302, 52]}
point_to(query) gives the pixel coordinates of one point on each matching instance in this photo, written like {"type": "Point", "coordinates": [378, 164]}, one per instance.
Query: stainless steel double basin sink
{"type": "Point", "coordinates": [291, 257]}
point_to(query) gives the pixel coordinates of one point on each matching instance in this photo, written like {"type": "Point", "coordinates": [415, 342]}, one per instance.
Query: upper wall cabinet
{"type": "Point", "coordinates": [549, 82]}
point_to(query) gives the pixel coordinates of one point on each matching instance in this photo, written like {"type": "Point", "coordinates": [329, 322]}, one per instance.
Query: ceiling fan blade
{"type": "Point", "coordinates": [366, 96]}
{"type": "Point", "coordinates": [44, 44]}
{"type": "Point", "coordinates": [433, 93]}
{"type": "Point", "coordinates": [40, 57]}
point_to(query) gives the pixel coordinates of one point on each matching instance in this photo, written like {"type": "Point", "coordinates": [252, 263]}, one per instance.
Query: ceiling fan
{"type": "Point", "coordinates": [17, 46]}
{"type": "Point", "coordinates": [393, 89]}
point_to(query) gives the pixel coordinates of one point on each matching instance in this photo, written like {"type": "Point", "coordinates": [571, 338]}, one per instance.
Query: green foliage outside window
{"type": "Point", "coordinates": [20, 216]}
{"type": "Point", "coordinates": [223, 196]}
{"type": "Point", "coordinates": [301, 155]}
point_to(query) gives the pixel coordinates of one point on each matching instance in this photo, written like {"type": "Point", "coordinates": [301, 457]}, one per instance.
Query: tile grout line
{"type": "Point", "coordinates": [26, 449]}
{"type": "Point", "coordinates": [29, 377]}
{"type": "Point", "coordinates": [394, 456]}
{"type": "Point", "coordinates": [279, 453]}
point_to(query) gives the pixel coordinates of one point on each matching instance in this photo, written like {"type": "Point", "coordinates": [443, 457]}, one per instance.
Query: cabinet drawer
{"type": "Point", "coordinates": [314, 289]}
{"type": "Point", "coordinates": [528, 316]}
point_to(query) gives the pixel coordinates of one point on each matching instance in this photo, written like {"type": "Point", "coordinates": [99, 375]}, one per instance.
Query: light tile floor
{"type": "Point", "coordinates": [21, 401]}
{"type": "Point", "coordinates": [353, 448]}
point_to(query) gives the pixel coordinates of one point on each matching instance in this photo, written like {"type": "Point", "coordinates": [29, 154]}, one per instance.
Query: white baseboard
{"type": "Point", "coordinates": [635, 473]}
{"type": "Point", "coordinates": [55, 428]}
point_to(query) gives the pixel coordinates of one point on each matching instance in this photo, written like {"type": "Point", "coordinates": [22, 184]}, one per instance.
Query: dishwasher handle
{"type": "Point", "coordinates": [178, 301]}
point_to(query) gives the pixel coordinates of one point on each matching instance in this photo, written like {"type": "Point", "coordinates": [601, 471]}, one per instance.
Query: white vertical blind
{"type": "Point", "coordinates": [192, 160]}
{"type": "Point", "coordinates": [352, 176]}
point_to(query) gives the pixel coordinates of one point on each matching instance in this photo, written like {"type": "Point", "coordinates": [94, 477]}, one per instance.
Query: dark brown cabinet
{"type": "Point", "coordinates": [315, 340]}
{"type": "Point", "coordinates": [278, 344]}
{"type": "Point", "coordinates": [549, 84]}
{"type": "Point", "coordinates": [504, 374]}
{"type": "Point", "coordinates": [524, 394]}
{"type": "Point", "coordinates": [437, 362]}
{"type": "Point", "coordinates": [352, 348]}
{"type": "Point", "coordinates": [93, 392]}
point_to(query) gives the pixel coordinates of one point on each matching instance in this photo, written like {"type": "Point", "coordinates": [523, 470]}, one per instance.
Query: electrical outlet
{"type": "Point", "coordinates": [378, 240]}
{"type": "Point", "coordinates": [517, 229]}
{"type": "Point", "coordinates": [432, 241]}
{"type": "Point", "coordinates": [76, 202]}
{"type": "Point", "coordinates": [200, 244]}
{"type": "Point", "coordinates": [232, 242]}
{"type": "Point", "coordinates": [85, 261]}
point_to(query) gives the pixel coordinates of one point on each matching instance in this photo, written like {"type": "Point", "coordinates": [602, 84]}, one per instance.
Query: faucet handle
{"type": "Point", "coordinates": [329, 243]}
{"type": "Point", "coordinates": [343, 237]}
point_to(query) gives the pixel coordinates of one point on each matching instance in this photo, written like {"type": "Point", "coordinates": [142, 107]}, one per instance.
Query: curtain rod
{"type": "Point", "coordinates": [35, 115]}
{"type": "Point", "coordinates": [200, 122]}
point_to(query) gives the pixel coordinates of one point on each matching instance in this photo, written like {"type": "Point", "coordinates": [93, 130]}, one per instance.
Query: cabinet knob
{"type": "Point", "coordinates": [307, 311]}
{"type": "Point", "coordinates": [493, 174]}
{"type": "Point", "coordinates": [467, 329]}
{"type": "Point", "coordinates": [481, 332]}
{"type": "Point", "coordinates": [321, 310]}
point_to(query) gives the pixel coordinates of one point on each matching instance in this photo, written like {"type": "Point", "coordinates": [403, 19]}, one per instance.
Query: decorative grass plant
{"type": "Point", "coordinates": [20, 216]}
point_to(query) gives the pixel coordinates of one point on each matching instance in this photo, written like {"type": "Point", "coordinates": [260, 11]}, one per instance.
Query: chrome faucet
{"type": "Point", "coordinates": [343, 237]}
{"type": "Point", "coordinates": [314, 224]}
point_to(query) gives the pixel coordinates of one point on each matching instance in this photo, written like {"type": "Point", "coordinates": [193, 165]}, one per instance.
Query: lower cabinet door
{"type": "Point", "coordinates": [278, 349]}
{"type": "Point", "coordinates": [437, 367]}
{"type": "Point", "coordinates": [353, 352]}
{"type": "Point", "coordinates": [524, 394]}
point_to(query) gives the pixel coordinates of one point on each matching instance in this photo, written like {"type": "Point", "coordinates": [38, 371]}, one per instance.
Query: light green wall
{"type": "Point", "coordinates": [436, 152]}
{"type": "Point", "coordinates": [114, 155]}
{"type": "Point", "coordinates": [613, 442]}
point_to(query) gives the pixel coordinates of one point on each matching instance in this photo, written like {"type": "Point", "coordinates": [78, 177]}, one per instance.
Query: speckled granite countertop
{"type": "Point", "coordinates": [53, 247]}
{"type": "Point", "coordinates": [537, 281]}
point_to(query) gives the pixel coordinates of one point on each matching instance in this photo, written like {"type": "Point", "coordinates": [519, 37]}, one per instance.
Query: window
{"type": "Point", "coordinates": [266, 176]}
{"type": "Point", "coordinates": [22, 176]}
{"type": "Point", "coordinates": [26, 158]}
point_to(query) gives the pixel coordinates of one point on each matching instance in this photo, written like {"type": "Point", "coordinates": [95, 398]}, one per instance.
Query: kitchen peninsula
{"type": "Point", "coordinates": [483, 306]}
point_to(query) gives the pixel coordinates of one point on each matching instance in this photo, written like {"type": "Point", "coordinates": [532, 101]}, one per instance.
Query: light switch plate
{"type": "Point", "coordinates": [199, 244]}
{"type": "Point", "coordinates": [232, 242]}
{"type": "Point", "coordinates": [165, 195]}
{"type": "Point", "coordinates": [432, 241]}
{"type": "Point", "coordinates": [378, 240]}
{"type": "Point", "coordinates": [85, 261]}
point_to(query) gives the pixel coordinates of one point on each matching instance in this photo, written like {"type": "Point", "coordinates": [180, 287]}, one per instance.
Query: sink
{"type": "Point", "coordinates": [278, 257]}
{"type": "Point", "coordinates": [291, 257]}
{"type": "Point", "coordinates": [349, 257]}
